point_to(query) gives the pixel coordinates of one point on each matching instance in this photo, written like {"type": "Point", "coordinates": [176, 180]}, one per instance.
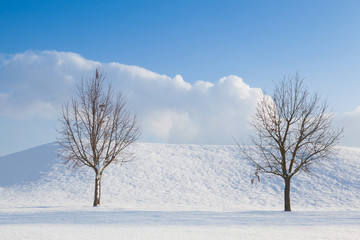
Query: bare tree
{"type": "Point", "coordinates": [96, 129]}
{"type": "Point", "coordinates": [293, 130]}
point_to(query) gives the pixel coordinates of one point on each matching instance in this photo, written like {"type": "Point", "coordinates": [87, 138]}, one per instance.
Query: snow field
{"type": "Point", "coordinates": [85, 232]}
{"type": "Point", "coordinates": [176, 192]}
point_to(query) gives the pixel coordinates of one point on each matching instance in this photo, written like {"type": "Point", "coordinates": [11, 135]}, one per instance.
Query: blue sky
{"type": "Point", "coordinates": [259, 41]}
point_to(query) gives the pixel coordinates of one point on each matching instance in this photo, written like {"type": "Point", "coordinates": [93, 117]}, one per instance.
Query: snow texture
{"type": "Point", "coordinates": [176, 192]}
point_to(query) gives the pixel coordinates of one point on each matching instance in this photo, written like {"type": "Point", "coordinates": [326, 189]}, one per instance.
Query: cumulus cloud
{"type": "Point", "coordinates": [35, 84]}
{"type": "Point", "coordinates": [350, 121]}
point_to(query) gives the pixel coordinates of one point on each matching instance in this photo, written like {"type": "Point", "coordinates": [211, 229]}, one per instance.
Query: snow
{"type": "Point", "coordinates": [176, 192]}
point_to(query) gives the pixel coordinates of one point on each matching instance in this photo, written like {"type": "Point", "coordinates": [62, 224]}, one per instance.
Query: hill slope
{"type": "Point", "coordinates": [177, 177]}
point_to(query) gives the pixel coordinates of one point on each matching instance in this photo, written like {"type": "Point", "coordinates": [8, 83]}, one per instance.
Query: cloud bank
{"type": "Point", "coordinates": [350, 121]}
{"type": "Point", "coordinates": [36, 84]}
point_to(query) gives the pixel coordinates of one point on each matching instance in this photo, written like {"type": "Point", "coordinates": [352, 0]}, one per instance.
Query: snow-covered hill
{"type": "Point", "coordinates": [176, 177]}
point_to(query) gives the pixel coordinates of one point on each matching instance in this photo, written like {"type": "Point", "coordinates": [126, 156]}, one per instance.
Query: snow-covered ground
{"type": "Point", "coordinates": [176, 192]}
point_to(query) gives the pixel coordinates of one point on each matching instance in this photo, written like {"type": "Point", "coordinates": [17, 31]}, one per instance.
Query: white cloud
{"type": "Point", "coordinates": [351, 123]}
{"type": "Point", "coordinates": [34, 108]}
{"type": "Point", "coordinates": [35, 84]}
{"type": "Point", "coordinates": [203, 86]}
{"type": "Point", "coordinates": [355, 113]}
{"type": "Point", "coordinates": [171, 125]}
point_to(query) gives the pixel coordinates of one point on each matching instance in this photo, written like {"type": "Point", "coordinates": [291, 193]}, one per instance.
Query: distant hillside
{"type": "Point", "coordinates": [27, 166]}
{"type": "Point", "coordinates": [177, 177]}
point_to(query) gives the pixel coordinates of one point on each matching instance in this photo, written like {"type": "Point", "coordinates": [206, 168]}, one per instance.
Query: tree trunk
{"type": "Point", "coordinates": [287, 194]}
{"type": "Point", "coordinates": [97, 189]}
